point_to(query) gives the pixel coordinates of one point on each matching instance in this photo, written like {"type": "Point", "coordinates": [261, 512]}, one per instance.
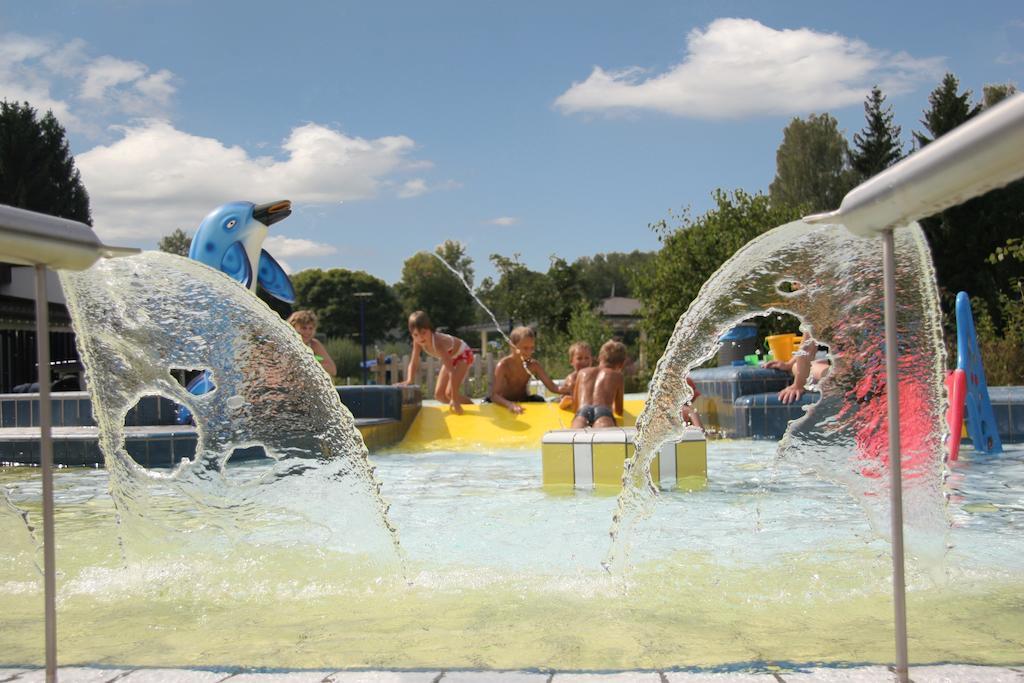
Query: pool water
{"type": "Point", "coordinates": [767, 564]}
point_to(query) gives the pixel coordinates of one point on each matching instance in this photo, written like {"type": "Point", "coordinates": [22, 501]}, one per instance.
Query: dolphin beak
{"type": "Point", "coordinates": [268, 214]}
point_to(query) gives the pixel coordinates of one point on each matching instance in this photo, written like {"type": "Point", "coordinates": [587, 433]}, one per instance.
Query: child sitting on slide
{"type": "Point", "coordinates": [455, 355]}
{"type": "Point", "coordinates": [580, 356]}
{"type": "Point", "coordinates": [513, 372]}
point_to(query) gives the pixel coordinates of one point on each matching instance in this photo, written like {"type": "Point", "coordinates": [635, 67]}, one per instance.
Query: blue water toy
{"type": "Point", "coordinates": [230, 239]}
{"type": "Point", "coordinates": [981, 422]}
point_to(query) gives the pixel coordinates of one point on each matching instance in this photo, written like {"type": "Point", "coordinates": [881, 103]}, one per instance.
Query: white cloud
{"type": "Point", "coordinates": [740, 67]}
{"type": "Point", "coordinates": [289, 247]}
{"type": "Point", "coordinates": [504, 220]}
{"type": "Point", "coordinates": [84, 91]}
{"type": "Point", "coordinates": [156, 178]}
{"type": "Point", "coordinates": [412, 188]}
{"type": "Point", "coordinates": [107, 72]}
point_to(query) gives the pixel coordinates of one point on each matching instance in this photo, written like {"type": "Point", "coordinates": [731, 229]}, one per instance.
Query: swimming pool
{"type": "Point", "coordinates": [768, 564]}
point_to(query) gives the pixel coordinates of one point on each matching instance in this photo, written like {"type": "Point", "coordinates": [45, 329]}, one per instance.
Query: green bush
{"type": "Point", "coordinates": [347, 355]}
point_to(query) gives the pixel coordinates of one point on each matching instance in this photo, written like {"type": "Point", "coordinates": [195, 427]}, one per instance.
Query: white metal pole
{"type": "Point", "coordinates": [899, 591]}
{"type": "Point", "coordinates": [46, 461]}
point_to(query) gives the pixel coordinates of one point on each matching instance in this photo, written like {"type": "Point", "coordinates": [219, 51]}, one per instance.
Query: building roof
{"type": "Point", "coordinates": [620, 306]}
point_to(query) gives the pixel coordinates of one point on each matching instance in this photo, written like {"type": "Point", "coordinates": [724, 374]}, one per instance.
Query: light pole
{"type": "Point", "coordinates": [363, 296]}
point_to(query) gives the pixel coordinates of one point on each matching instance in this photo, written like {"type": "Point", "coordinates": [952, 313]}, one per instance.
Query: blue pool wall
{"type": "Point", "coordinates": [382, 415]}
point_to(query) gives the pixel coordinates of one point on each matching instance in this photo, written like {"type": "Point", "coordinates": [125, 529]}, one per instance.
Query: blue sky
{"type": "Point", "coordinates": [536, 128]}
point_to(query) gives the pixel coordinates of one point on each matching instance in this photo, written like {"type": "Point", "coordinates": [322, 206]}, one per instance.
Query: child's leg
{"type": "Point", "coordinates": [441, 389]}
{"type": "Point", "coordinates": [603, 422]}
{"type": "Point", "coordinates": [455, 380]}
{"type": "Point", "coordinates": [691, 416]}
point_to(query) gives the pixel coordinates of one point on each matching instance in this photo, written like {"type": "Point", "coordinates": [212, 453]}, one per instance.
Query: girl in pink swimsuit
{"type": "Point", "coordinates": [455, 355]}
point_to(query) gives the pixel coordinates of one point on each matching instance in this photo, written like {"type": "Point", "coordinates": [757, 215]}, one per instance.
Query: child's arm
{"type": "Point", "coordinates": [325, 358]}
{"type": "Point", "coordinates": [538, 372]}
{"type": "Point", "coordinates": [620, 394]}
{"type": "Point", "coordinates": [500, 384]}
{"type": "Point", "coordinates": [414, 364]}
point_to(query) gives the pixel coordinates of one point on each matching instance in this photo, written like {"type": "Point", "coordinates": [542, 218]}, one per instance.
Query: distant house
{"type": "Point", "coordinates": [18, 327]}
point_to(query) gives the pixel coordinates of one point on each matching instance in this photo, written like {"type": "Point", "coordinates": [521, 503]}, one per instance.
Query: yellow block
{"type": "Point", "coordinates": [586, 458]}
{"type": "Point", "coordinates": [489, 427]}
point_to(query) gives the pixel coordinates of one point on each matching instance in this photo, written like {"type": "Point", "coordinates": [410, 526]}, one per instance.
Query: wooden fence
{"type": "Point", "coordinates": [477, 383]}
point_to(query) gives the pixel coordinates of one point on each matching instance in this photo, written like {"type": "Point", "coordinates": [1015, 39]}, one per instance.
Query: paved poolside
{"type": "Point", "coordinates": [864, 674]}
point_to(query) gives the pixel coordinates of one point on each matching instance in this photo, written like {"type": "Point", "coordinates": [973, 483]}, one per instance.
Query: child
{"type": "Point", "coordinates": [600, 389]}
{"type": "Point", "coordinates": [580, 356]}
{"type": "Point", "coordinates": [455, 355]}
{"type": "Point", "coordinates": [689, 414]}
{"type": "Point", "coordinates": [304, 323]}
{"type": "Point", "coordinates": [512, 373]}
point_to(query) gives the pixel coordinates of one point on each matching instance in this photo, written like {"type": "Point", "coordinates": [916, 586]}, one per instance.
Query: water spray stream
{"type": "Point", "coordinates": [497, 325]}
{"type": "Point", "coordinates": [843, 436]}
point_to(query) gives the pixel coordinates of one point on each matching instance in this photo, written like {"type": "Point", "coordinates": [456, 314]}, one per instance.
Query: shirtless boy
{"type": "Point", "coordinates": [513, 372]}
{"type": "Point", "coordinates": [455, 355]}
{"type": "Point", "coordinates": [599, 390]}
{"type": "Point", "coordinates": [580, 356]}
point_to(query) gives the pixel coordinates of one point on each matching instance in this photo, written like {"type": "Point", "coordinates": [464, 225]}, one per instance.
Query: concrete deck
{"type": "Point", "coordinates": [863, 674]}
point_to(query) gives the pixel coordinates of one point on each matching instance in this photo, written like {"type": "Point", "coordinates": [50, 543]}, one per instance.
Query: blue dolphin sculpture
{"type": "Point", "coordinates": [230, 239]}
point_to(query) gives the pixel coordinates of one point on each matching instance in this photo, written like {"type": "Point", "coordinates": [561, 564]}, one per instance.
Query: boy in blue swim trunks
{"type": "Point", "coordinates": [599, 391]}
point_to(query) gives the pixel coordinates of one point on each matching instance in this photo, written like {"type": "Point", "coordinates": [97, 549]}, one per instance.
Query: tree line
{"type": "Point", "coordinates": [976, 247]}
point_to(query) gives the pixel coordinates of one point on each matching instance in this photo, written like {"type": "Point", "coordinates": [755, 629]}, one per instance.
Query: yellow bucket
{"type": "Point", "coordinates": [782, 346]}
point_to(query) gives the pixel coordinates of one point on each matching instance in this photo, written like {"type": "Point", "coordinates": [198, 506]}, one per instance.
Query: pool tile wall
{"type": "Point", "coordinates": [383, 414]}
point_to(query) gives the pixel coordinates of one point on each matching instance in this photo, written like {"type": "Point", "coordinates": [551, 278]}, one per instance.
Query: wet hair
{"type": "Point", "coordinates": [579, 346]}
{"type": "Point", "coordinates": [520, 333]}
{"type": "Point", "coordinates": [419, 320]}
{"type": "Point", "coordinates": [613, 353]}
{"type": "Point", "coordinates": [302, 318]}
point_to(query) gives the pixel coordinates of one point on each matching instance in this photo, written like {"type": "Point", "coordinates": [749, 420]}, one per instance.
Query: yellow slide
{"type": "Point", "coordinates": [489, 427]}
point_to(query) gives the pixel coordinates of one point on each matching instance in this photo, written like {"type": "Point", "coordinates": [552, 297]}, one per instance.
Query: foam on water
{"type": "Point", "coordinates": [844, 436]}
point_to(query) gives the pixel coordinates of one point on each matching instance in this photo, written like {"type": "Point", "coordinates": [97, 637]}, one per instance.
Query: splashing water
{"type": "Point", "coordinates": [497, 325]}
{"type": "Point", "coordinates": [844, 437]}
{"type": "Point", "coordinates": [136, 319]}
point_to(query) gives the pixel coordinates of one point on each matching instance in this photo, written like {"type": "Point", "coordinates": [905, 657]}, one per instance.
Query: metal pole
{"type": "Point", "coordinates": [46, 461]}
{"type": "Point", "coordinates": [362, 332]}
{"type": "Point", "coordinates": [899, 590]}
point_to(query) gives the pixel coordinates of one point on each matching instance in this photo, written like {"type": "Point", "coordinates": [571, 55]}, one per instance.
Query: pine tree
{"type": "Point", "coordinates": [37, 171]}
{"type": "Point", "coordinates": [877, 146]}
{"type": "Point", "coordinates": [964, 236]}
{"type": "Point", "coordinates": [948, 110]}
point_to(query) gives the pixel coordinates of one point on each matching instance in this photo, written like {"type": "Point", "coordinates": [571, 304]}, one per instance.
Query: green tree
{"type": "Point", "coordinates": [694, 249]}
{"type": "Point", "coordinates": [602, 275]}
{"type": "Point", "coordinates": [178, 242]}
{"type": "Point", "coordinates": [964, 236]}
{"type": "Point", "coordinates": [565, 279]}
{"type": "Point", "coordinates": [877, 146]}
{"type": "Point", "coordinates": [586, 325]}
{"type": "Point", "coordinates": [429, 286]}
{"type": "Point", "coordinates": [37, 171]}
{"type": "Point", "coordinates": [520, 295]}
{"type": "Point", "coordinates": [811, 165]}
{"type": "Point", "coordinates": [947, 110]}
{"type": "Point", "coordinates": [331, 295]}
{"type": "Point", "coordinates": [994, 94]}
